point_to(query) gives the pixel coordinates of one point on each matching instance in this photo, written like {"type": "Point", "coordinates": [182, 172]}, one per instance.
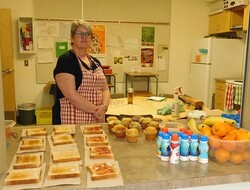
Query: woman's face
{"type": "Point", "coordinates": [82, 38]}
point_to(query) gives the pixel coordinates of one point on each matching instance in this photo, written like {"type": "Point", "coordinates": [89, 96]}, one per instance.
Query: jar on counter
{"type": "Point", "coordinates": [130, 95]}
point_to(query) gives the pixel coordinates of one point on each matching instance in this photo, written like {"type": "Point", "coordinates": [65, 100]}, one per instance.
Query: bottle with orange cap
{"type": "Point", "coordinates": [175, 149]}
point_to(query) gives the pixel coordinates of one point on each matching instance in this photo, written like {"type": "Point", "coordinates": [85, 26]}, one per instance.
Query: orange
{"type": "Point", "coordinates": [246, 156]}
{"type": "Point", "coordinates": [236, 157]}
{"type": "Point", "coordinates": [241, 135]}
{"type": "Point", "coordinates": [220, 129]}
{"type": "Point", "coordinates": [230, 128]}
{"type": "Point", "coordinates": [241, 146]}
{"type": "Point", "coordinates": [228, 145]}
{"type": "Point", "coordinates": [222, 155]}
{"type": "Point", "coordinates": [214, 142]}
{"type": "Point", "coordinates": [230, 136]}
{"type": "Point", "coordinates": [248, 134]}
{"type": "Point", "coordinates": [206, 130]}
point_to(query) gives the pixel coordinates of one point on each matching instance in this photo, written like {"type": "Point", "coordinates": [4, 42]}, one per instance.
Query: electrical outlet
{"type": "Point", "coordinates": [26, 63]}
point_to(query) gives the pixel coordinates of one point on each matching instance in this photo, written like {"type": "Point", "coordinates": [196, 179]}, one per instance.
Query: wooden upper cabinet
{"type": "Point", "coordinates": [245, 18]}
{"type": "Point", "coordinates": [226, 21]}
{"type": "Point", "coordinates": [219, 22]}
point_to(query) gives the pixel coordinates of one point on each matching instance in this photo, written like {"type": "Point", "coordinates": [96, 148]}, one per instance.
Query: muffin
{"type": "Point", "coordinates": [154, 124]}
{"type": "Point", "coordinates": [136, 118]}
{"type": "Point", "coordinates": [135, 125]}
{"type": "Point", "coordinates": [120, 131]}
{"type": "Point", "coordinates": [145, 122]}
{"type": "Point", "coordinates": [159, 120]}
{"type": "Point", "coordinates": [113, 123]}
{"type": "Point", "coordinates": [111, 118]}
{"type": "Point", "coordinates": [150, 133]}
{"type": "Point", "coordinates": [126, 121]}
{"type": "Point", "coordinates": [132, 135]}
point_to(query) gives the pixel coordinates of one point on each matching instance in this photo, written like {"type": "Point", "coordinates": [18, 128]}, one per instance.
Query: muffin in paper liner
{"type": "Point", "coordinates": [132, 135]}
{"type": "Point", "coordinates": [150, 133]}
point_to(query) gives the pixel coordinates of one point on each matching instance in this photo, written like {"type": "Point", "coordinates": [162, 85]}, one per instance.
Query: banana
{"type": "Point", "coordinates": [193, 126]}
{"type": "Point", "coordinates": [200, 126]}
{"type": "Point", "coordinates": [210, 121]}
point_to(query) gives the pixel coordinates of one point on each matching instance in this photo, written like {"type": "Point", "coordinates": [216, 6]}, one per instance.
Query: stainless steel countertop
{"type": "Point", "coordinates": [141, 169]}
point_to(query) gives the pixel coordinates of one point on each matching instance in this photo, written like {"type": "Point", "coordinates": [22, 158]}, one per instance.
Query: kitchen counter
{"type": "Point", "coordinates": [141, 169]}
{"type": "Point", "coordinates": [225, 79]}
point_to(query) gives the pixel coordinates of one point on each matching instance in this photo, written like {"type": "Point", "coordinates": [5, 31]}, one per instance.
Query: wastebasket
{"type": "Point", "coordinates": [26, 113]}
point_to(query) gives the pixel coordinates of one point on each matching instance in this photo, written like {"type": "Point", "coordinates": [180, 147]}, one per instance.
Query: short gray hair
{"type": "Point", "coordinates": [77, 24]}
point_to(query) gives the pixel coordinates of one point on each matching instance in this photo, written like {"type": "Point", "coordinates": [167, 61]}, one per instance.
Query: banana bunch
{"type": "Point", "coordinates": [210, 121]}
{"type": "Point", "coordinates": [200, 126]}
{"type": "Point", "coordinates": [193, 126]}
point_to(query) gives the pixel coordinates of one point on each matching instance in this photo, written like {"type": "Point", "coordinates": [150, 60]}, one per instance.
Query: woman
{"type": "Point", "coordinates": [82, 94]}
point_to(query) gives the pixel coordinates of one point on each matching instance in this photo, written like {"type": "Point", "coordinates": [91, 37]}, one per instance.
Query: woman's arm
{"type": "Point", "coordinates": [102, 109]}
{"type": "Point", "coordinates": [66, 83]}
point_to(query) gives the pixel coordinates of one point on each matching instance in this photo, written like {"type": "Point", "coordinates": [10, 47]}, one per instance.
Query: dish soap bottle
{"type": "Point", "coordinates": [176, 103]}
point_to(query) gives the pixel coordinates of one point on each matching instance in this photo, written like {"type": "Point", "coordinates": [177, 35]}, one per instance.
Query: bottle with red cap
{"type": "Point", "coordinates": [175, 148]}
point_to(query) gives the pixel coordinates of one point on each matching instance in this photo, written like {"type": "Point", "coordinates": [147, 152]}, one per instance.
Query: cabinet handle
{"type": "Point", "coordinates": [8, 71]}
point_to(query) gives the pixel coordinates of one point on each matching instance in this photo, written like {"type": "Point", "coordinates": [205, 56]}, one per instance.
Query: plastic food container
{"type": "Point", "coordinates": [229, 152]}
{"type": "Point", "coordinates": [172, 126]}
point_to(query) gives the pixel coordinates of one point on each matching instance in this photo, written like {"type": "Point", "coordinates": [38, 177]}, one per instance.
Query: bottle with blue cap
{"type": "Point", "coordinates": [170, 133]}
{"type": "Point", "coordinates": [203, 150]}
{"type": "Point", "coordinates": [184, 148]}
{"type": "Point", "coordinates": [159, 141]}
{"type": "Point", "coordinates": [194, 148]}
{"type": "Point", "coordinates": [179, 135]}
{"type": "Point", "coordinates": [165, 147]}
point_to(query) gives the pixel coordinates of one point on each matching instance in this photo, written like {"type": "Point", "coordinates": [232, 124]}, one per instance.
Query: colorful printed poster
{"type": "Point", "coordinates": [148, 36]}
{"type": "Point", "coordinates": [147, 57]}
{"type": "Point", "coordinates": [98, 44]}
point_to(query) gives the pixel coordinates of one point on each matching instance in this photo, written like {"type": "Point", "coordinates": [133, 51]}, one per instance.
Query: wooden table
{"type": "Point", "coordinates": [147, 75]}
{"type": "Point", "coordinates": [143, 106]}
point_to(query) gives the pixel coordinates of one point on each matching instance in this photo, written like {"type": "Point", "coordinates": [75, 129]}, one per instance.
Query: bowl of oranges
{"type": "Point", "coordinates": [228, 144]}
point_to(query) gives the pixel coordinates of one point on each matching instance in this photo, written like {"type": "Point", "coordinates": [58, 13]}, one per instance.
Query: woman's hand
{"type": "Point", "coordinates": [100, 113]}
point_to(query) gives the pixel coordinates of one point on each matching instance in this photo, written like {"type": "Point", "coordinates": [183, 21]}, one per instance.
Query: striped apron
{"type": "Point", "coordinates": [90, 88]}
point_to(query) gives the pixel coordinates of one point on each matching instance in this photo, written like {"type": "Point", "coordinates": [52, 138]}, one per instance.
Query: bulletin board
{"type": "Point", "coordinates": [124, 22]}
{"type": "Point", "coordinates": [123, 42]}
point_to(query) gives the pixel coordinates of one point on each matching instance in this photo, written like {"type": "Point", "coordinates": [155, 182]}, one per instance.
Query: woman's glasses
{"type": "Point", "coordinates": [83, 34]}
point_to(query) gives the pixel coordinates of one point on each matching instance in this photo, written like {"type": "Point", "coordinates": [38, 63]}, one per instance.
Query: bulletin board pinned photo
{"type": "Point", "coordinates": [98, 43]}
{"type": "Point", "coordinates": [61, 48]}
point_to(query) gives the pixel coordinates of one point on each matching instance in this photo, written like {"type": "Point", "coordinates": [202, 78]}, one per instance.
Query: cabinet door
{"type": "Point", "coordinates": [245, 18]}
{"type": "Point", "coordinates": [219, 99]}
{"type": "Point", "coordinates": [213, 24]}
{"type": "Point", "coordinates": [7, 64]}
{"type": "Point", "coordinates": [220, 22]}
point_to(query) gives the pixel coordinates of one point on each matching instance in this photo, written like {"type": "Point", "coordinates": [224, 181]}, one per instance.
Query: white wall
{"type": "Point", "coordinates": [189, 21]}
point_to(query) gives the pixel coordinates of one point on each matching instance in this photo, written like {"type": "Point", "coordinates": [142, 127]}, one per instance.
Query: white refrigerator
{"type": "Point", "coordinates": [213, 58]}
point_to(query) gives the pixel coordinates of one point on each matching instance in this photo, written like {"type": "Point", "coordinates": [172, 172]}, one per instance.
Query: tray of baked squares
{"type": "Point", "coordinates": [31, 145]}
{"type": "Point", "coordinates": [63, 173]}
{"type": "Point", "coordinates": [64, 168]}
{"type": "Point", "coordinates": [104, 174]}
{"type": "Point", "coordinates": [26, 171]}
{"type": "Point", "coordinates": [35, 132]}
{"type": "Point", "coordinates": [61, 141]}
{"type": "Point", "coordinates": [65, 160]}
{"type": "Point", "coordinates": [102, 169]}
{"type": "Point", "coordinates": [91, 129]}
{"type": "Point", "coordinates": [63, 129]}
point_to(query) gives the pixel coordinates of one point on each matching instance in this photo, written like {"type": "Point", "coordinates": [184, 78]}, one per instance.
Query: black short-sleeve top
{"type": "Point", "coordinates": [68, 63]}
